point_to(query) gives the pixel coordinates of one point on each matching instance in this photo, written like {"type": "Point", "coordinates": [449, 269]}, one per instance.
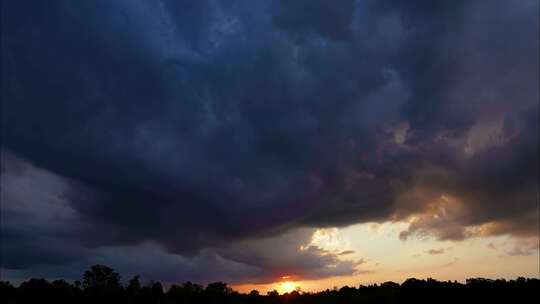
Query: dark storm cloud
{"type": "Point", "coordinates": [304, 18]}
{"type": "Point", "coordinates": [200, 124]}
{"type": "Point", "coordinates": [45, 236]}
{"type": "Point", "coordinates": [38, 224]}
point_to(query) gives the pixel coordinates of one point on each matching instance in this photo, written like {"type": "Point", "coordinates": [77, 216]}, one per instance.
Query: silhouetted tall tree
{"type": "Point", "coordinates": [102, 282]}
{"type": "Point", "coordinates": [101, 277]}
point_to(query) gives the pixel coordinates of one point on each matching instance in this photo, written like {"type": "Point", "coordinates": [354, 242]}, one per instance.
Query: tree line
{"type": "Point", "coordinates": [101, 284]}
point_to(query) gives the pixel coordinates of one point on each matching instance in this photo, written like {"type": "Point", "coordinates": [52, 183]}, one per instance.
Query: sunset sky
{"type": "Point", "coordinates": [270, 144]}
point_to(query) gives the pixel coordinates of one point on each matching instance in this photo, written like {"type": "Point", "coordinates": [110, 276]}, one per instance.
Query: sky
{"type": "Point", "coordinates": [270, 144]}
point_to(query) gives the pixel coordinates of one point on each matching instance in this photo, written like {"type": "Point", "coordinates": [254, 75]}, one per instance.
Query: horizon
{"type": "Point", "coordinates": [271, 144]}
{"type": "Point", "coordinates": [101, 283]}
{"type": "Point", "coordinates": [284, 287]}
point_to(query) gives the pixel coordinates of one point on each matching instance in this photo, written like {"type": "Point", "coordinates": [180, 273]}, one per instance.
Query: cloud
{"type": "Point", "coordinates": [436, 251]}
{"type": "Point", "coordinates": [492, 246]}
{"type": "Point", "coordinates": [524, 247]}
{"type": "Point", "coordinates": [37, 223]}
{"type": "Point", "coordinates": [55, 236]}
{"type": "Point", "coordinates": [290, 254]}
{"type": "Point", "coordinates": [194, 126]}
{"type": "Point", "coordinates": [451, 263]}
{"type": "Point", "coordinates": [304, 18]}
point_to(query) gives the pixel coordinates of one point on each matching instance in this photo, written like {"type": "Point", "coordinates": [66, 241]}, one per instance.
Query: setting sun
{"type": "Point", "coordinates": [287, 286]}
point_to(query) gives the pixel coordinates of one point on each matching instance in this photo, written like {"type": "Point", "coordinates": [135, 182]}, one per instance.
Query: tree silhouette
{"type": "Point", "coordinates": [254, 293]}
{"type": "Point", "coordinates": [101, 284]}
{"type": "Point", "coordinates": [101, 277]}
{"type": "Point", "coordinates": [134, 285]}
{"type": "Point", "coordinates": [133, 289]}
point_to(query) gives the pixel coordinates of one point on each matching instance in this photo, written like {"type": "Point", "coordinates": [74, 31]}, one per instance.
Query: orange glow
{"type": "Point", "coordinates": [286, 286]}
{"type": "Point", "coordinates": [387, 258]}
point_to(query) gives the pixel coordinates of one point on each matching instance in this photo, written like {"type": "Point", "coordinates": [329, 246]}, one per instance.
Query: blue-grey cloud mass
{"type": "Point", "coordinates": [214, 136]}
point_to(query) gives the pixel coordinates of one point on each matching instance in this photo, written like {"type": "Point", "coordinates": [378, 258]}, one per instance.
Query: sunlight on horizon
{"type": "Point", "coordinates": [382, 256]}
{"type": "Point", "coordinates": [286, 287]}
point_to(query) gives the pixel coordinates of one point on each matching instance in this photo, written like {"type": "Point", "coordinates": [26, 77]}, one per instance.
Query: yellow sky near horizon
{"type": "Point", "coordinates": [384, 257]}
